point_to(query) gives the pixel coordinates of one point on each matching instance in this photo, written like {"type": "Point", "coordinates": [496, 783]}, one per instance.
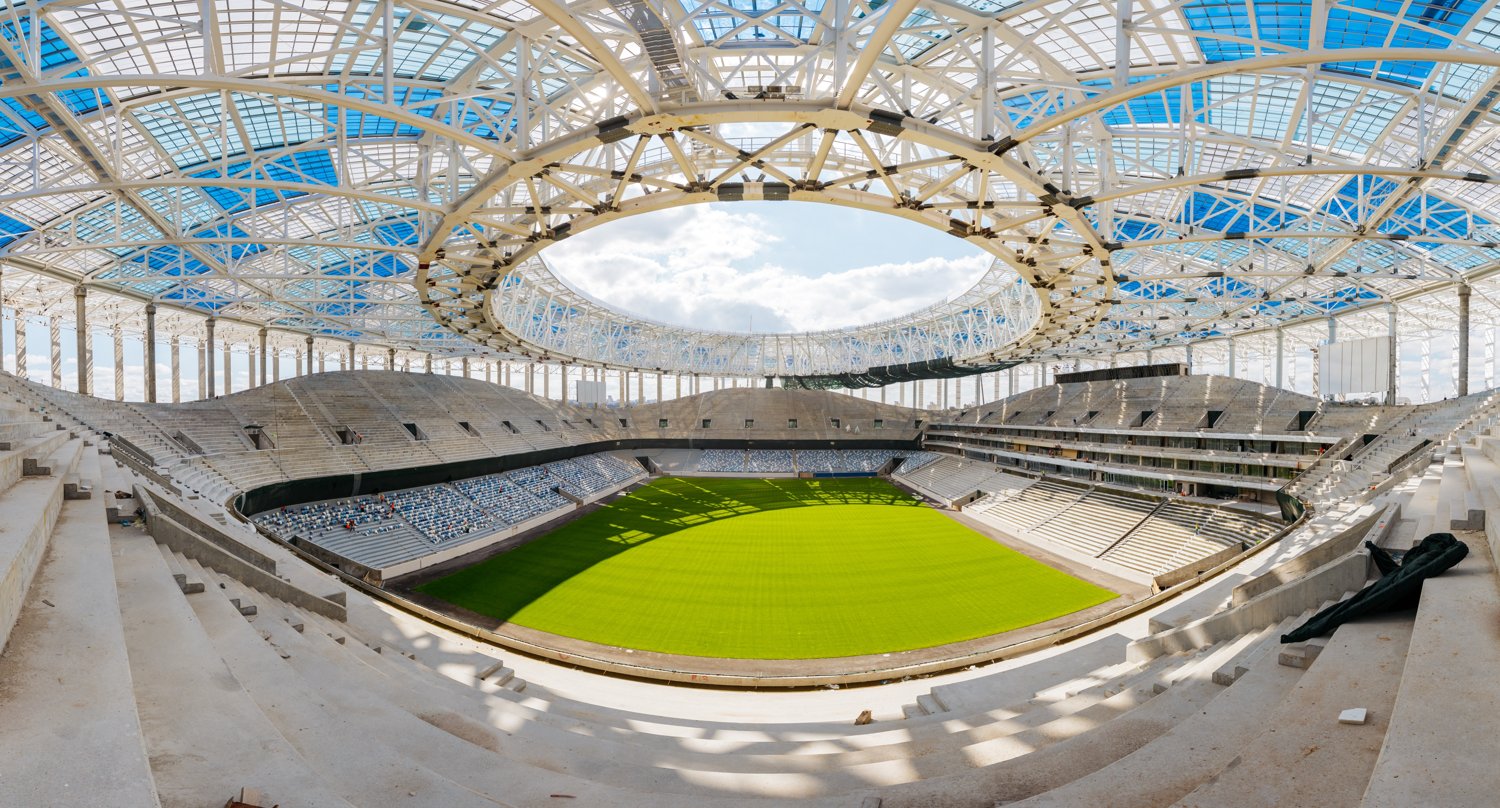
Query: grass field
{"type": "Point", "coordinates": [766, 569]}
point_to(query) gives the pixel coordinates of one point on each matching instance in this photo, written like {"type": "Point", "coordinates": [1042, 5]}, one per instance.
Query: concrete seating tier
{"type": "Point", "coordinates": [1093, 523]}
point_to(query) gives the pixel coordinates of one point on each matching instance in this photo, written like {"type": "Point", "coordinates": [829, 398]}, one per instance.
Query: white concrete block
{"type": "Point", "coordinates": [1357, 716]}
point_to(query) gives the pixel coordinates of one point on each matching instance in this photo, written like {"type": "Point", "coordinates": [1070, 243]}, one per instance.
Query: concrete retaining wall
{"type": "Point", "coordinates": [168, 531]}
{"type": "Point", "coordinates": [1373, 527]}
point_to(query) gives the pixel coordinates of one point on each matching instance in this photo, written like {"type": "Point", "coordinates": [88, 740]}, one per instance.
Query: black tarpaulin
{"type": "Point", "coordinates": [1399, 585]}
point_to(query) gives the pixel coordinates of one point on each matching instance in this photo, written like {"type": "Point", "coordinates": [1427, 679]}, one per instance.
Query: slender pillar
{"type": "Point", "coordinates": [427, 366]}
{"type": "Point", "coordinates": [505, 368]}
{"type": "Point", "coordinates": [464, 364]}
{"type": "Point", "coordinates": [530, 379]}
{"type": "Point", "coordinates": [353, 348]}
{"type": "Point", "coordinates": [322, 362]}
{"type": "Point", "coordinates": [228, 369]}
{"type": "Point", "coordinates": [1280, 355]}
{"type": "Point", "coordinates": [251, 367]}
{"type": "Point", "coordinates": [658, 387]}
{"type": "Point", "coordinates": [1187, 355]}
{"type": "Point", "coordinates": [640, 387]}
{"type": "Point", "coordinates": [202, 382]}
{"type": "Point", "coordinates": [1230, 374]}
{"type": "Point", "coordinates": [208, 369]}
{"type": "Point", "coordinates": [1391, 360]}
{"type": "Point", "coordinates": [148, 353]}
{"type": "Point", "coordinates": [489, 372]}
{"type": "Point", "coordinates": [1463, 339]}
{"type": "Point", "coordinates": [546, 381]}
{"type": "Point", "coordinates": [176, 351]}
{"type": "Point", "coordinates": [276, 365]}
{"type": "Point", "coordinates": [81, 345]}
{"type": "Point", "coordinates": [309, 355]}
{"type": "Point", "coordinates": [117, 340]}
{"type": "Point", "coordinates": [297, 364]}
{"type": "Point", "coordinates": [21, 358]}
{"type": "Point", "coordinates": [263, 356]}
{"type": "Point", "coordinates": [54, 333]}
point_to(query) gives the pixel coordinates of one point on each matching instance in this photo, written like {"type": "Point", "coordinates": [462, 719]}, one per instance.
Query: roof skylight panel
{"type": "Point", "coordinates": [270, 123]}
{"type": "Point", "coordinates": [193, 129]}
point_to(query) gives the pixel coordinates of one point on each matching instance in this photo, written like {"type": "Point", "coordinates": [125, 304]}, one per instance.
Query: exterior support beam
{"type": "Point", "coordinates": [1392, 361]}
{"type": "Point", "coordinates": [309, 356]}
{"type": "Point", "coordinates": [117, 344]}
{"type": "Point", "coordinates": [81, 333]}
{"type": "Point", "coordinates": [262, 334]}
{"type": "Point", "coordinates": [148, 353]}
{"type": "Point", "coordinates": [20, 325]}
{"type": "Point", "coordinates": [1280, 355]}
{"type": "Point", "coordinates": [54, 334]}
{"type": "Point", "coordinates": [207, 371]}
{"type": "Point", "coordinates": [1463, 339]}
{"type": "Point", "coordinates": [176, 351]}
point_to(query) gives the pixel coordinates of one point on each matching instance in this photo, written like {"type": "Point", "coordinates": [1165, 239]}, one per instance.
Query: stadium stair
{"type": "Point", "coordinates": [67, 683]}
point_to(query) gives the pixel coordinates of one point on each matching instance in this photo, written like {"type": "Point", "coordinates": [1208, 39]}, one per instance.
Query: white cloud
{"type": "Point", "coordinates": [718, 269]}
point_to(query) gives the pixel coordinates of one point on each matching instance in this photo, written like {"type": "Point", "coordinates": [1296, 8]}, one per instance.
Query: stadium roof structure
{"type": "Point", "coordinates": [1144, 173]}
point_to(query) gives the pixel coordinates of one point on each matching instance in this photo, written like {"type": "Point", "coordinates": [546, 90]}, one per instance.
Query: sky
{"type": "Point", "coordinates": [767, 266]}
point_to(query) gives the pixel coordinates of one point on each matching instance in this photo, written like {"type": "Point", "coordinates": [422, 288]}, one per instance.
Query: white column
{"type": "Point", "coordinates": [117, 343]}
{"type": "Point", "coordinates": [263, 357]}
{"type": "Point", "coordinates": [206, 366]}
{"type": "Point", "coordinates": [1463, 340]}
{"type": "Point", "coordinates": [176, 351]}
{"type": "Point", "coordinates": [20, 327]}
{"type": "Point", "coordinates": [54, 333]}
{"type": "Point", "coordinates": [148, 353]}
{"type": "Point", "coordinates": [310, 352]}
{"type": "Point", "coordinates": [81, 339]}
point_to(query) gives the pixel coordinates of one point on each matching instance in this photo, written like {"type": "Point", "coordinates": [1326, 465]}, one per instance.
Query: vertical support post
{"type": "Point", "coordinates": [208, 346]}
{"type": "Point", "coordinates": [1392, 362]}
{"type": "Point", "coordinates": [640, 387]}
{"type": "Point", "coordinates": [546, 381]}
{"type": "Point", "coordinates": [21, 359]}
{"type": "Point", "coordinates": [276, 365]}
{"type": "Point", "coordinates": [1230, 374]}
{"type": "Point", "coordinates": [149, 353]}
{"type": "Point", "coordinates": [390, 358]}
{"type": "Point", "coordinates": [1489, 358]}
{"type": "Point", "coordinates": [263, 350]}
{"type": "Point", "coordinates": [309, 355]}
{"type": "Point", "coordinates": [298, 364]}
{"type": "Point", "coordinates": [117, 344]}
{"type": "Point", "coordinates": [1463, 339]}
{"type": "Point", "coordinates": [81, 333]}
{"type": "Point", "coordinates": [54, 333]}
{"type": "Point", "coordinates": [176, 350]}
{"type": "Point", "coordinates": [1187, 355]}
{"type": "Point", "coordinates": [202, 383]}
{"type": "Point", "coordinates": [658, 387]}
{"type": "Point", "coordinates": [1280, 354]}
{"type": "Point", "coordinates": [353, 350]}
{"type": "Point", "coordinates": [228, 368]}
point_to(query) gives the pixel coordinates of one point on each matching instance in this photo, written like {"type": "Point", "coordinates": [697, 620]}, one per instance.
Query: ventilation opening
{"type": "Point", "coordinates": [708, 422]}
{"type": "Point", "coordinates": [661, 423]}
{"type": "Point", "coordinates": [468, 428]}
{"type": "Point", "coordinates": [791, 423]}
{"type": "Point", "coordinates": [416, 431]}
{"type": "Point", "coordinates": [591, 423]}
{"type": "Point", "coordinates": [749, 423]}
{"type": "Point", "coordinates": [917, 424]}
{"type": "Point", "coordinates": [1010, 419]}
{"type": "Point", "coordinates": [1089, 419]}
{"type": "Point", "coordinates": [1045, 418]}
{"type": "Point", "coordinates": [834, 422]}
{"type": "Point", "coordinates": [347, 436]}
{"type": "Point", "coordinates": [568, 424]}
{"type": "Point", "coordinates": [1145, 415]}
{"type": "Point", "coordinates": [1299, 423]}
{"type": "Point", "coordinates": [624, 423]}
{"type": "Point", "coordinates": [1211, 418]}
{"type": "Point", "coordinates": [258, 437]}
{"type": "Point", "coordinates": [510, 427]}
{"type": "Point", "coordinates": [544, 427]}
{"type": "Point", "coordinates": [880, 423]}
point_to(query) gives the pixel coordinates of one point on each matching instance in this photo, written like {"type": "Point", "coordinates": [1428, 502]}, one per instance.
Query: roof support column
{"type": "Point", "coordinates": [640, 387]}
{"type": "Point", "coordinates": [428, 364]}
{"type": "Point", "coordinates": [1187, 355]}
{"type": "Point", "coordinates": [1391, 361]}
{"type": "Point", "coordinates": [352, 349]}
{"type": "Point", "coordinates": [148, 353]}
{"type": "Point", "coordinates": [1463, 339]}
{"type": "Point", "coordinates": [546, 381]}
{"type": "Point", "coordinates": [1426, 354]}
{"type": "Point", "coordinates": [297, 363]}
{"type": "Point", "coordinates": [21, 358]}
{"type": "Point", "coordinates": [117, 344]}
{"type": "Point", "coordinates": [309, 355]}
{"type": "Point", "coordinates": [263, 334]}
{"type": "Point", "coordinates": [505, 372]}
{"type": "Point", "coordinates": [175, 349]}
{"type": "Point", "coordinates": [228, 369]}
{"type": "Point", "coordinates": [276, 365]}
{"type": "Point", "coordinates": [658, 387]}
{"type": "Point", "coordinates": [251, 366]}
{"type": "Point", "coordinates": [390, 358]}
{"type": "Point", "coordinates": [322, 362]}
{"type": "Point", "coordinates": [81, 333]}
{"type": "Point", "coordinates": [1489, 358]}
{"type": "Point", "coordinates": [1230, 374]}
{"type": "Point", "coordinates": [54, 334]}
{"type": "Point", "coordinates": [1280, 354]}
{"type": "Point", "coordinates": [202, 382]}
{"type": "Point", "coordinates": [465, 365]}
{"type": "Point", "coordinates": [207, 370]}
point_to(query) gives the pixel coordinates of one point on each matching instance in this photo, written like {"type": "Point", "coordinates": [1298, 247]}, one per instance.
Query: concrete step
{"type": "Point", "coordinates": [69, 712]}
{"type": "Point", "coordinates": [1449, 666]}
{"type": "Point", "coordinates": [29, 509]}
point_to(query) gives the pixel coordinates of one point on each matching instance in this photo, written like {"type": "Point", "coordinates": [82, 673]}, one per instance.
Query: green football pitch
{"type": "Point", "coordinates": [766, 569]}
